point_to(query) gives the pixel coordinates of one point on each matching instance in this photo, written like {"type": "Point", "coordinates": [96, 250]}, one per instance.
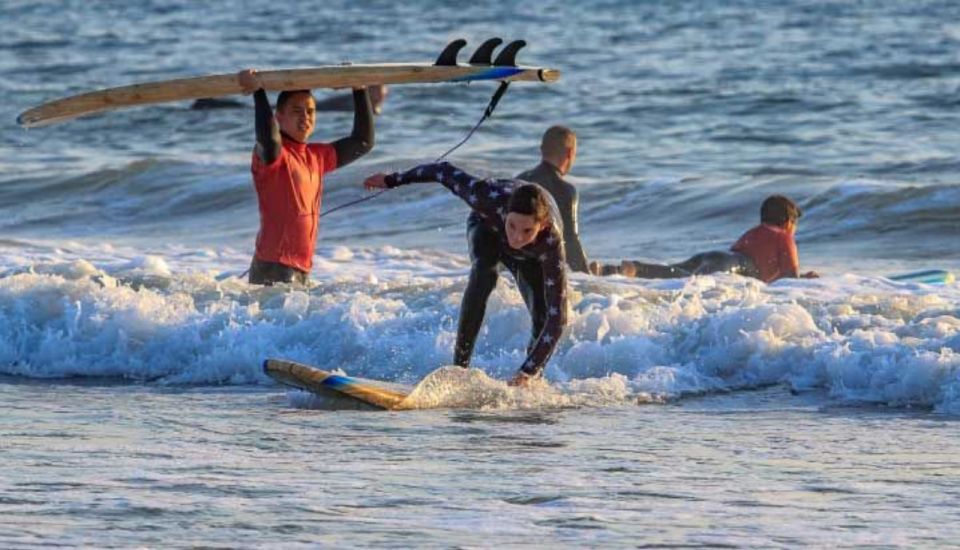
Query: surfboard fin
{"type": "Point", "coordinates": [508, 56]}
{"type": "Point", "coordinates": [448, 57]}
{"type": "Point", "coordinates": [484, 54]}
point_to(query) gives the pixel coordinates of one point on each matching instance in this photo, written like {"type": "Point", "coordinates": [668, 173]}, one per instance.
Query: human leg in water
{"type": "Point", "coordinates": [529, 277]}
{"type": "Point", "coordinates": [716, 261]}
{"type": "Point", "coordinates": [719, 261]}
{"type": "Point", "coordinates": [630, 268]}
{"type": "Point", "coordinates": [484, 244]}
{"type": "Point", "coordinates": [270, 273]}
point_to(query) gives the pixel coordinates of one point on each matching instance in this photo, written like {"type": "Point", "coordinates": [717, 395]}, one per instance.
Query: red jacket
{"type": "Point", "coordinates": [772, 250]}
{"type": "Point", "coordinates": [289, 192]}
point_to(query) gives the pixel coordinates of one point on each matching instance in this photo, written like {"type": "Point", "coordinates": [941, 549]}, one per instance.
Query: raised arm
{"type": "Point", "coordinates": [267, 129]}
{"type": "Point", "coordinates": [360, 141]}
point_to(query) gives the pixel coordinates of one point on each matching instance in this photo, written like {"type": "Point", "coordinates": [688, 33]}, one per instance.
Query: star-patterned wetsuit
{"type": "Point", "coordinates": [538, 268]}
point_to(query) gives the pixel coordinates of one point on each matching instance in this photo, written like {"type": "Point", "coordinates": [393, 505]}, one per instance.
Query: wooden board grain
{"type": "Point", "coordinates": [378, 395]}
{"type": "Point", "coordinates": [335, 76]}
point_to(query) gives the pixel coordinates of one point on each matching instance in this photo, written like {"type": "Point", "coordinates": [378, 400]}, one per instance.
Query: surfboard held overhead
{"type": "Point", "coordinates": [445, 69]}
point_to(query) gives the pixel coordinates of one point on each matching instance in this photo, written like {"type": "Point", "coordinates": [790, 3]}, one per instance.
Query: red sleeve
{"type": "Point", "coordinates": [260, 168]}
{"type": "Point", "coordinates": [327, 154]}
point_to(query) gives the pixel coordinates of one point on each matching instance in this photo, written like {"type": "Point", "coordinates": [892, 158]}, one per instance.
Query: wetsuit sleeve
{"type": "Point", "coordinates": [555, 288]}
{"type": "Point", "coordinates": [576, 257]}
{"type": "Point", "coordinates": [360, 141]}
{"type": "Point", "coordinates": [268, 132]}
{"type": "Point", "coordinates": [487, 197]}
{"type": "Point", "coordinates": [609, 269]}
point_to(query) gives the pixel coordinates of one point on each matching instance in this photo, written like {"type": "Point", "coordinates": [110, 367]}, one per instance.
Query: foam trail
{"type": "Point", "coordinates": [158, 319]}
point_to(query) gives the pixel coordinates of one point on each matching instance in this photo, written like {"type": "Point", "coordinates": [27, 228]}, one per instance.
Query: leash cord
{"type": "Point", "coordinates": [486, 114]}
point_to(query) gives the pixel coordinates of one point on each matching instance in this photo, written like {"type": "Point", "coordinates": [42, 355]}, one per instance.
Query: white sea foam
{"type": "Point", "coordinates": [391, 314]}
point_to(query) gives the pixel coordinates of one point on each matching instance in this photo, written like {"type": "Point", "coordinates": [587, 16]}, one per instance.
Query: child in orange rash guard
{"type": "Point", "coordinates": [288, 176]}
{"type": "Point", "coordinates": [767, 252]}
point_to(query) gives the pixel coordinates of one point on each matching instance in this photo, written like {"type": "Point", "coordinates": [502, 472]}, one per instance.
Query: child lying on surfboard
{"type": "Point", "coordinates": [767, 252]}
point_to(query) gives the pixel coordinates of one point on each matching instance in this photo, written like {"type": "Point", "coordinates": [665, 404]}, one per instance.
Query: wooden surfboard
{"type": "Point", "coordinates": [445, 69]}
{"type": "Point", "coordinates": [376, 395]}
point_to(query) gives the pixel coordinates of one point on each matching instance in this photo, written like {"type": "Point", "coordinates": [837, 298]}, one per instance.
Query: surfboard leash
{"type": "Point", "coordinates": [487, 113]}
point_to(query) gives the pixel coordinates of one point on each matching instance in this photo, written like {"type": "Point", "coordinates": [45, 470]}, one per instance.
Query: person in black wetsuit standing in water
{"type": "Point", "coordinates": [558, 150]}
{"type": "Point", "coordinates": [515, 224]}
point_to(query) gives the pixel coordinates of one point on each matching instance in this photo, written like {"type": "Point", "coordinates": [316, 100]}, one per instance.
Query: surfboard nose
{"type": "Point", "coordinates": [549, 75]}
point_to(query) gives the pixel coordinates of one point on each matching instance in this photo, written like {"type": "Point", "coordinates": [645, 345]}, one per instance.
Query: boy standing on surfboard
{"type": "Point", "coordinates": [558, 150]}
{"type": "Point", "coordinates": [288, 176]}
{"type": "Point", "coordinates": [515, 224]}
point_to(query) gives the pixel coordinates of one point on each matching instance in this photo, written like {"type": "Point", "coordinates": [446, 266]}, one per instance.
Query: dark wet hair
{"type": "Point", "coordinates": [778, 210]}
{"type": "Point", "coordinates": [529, 200]}
{"type": "Point", "coordinates": [285, 96]}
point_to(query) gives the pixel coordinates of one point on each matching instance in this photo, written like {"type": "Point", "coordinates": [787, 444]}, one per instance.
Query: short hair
{"type": "Point", "coordinates": [556, 141]}
{"type": "Point", "coordinates": [285, 96]}
{"type": "Point", "coordinates": [529, 199]}
{"type": "Point", "coordinates": [778, 210]}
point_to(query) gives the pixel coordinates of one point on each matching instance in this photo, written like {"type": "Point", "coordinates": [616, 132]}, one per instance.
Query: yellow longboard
{"type": "Point", "coordinates": [377, 395]}
{"type": "Point", "coordinates": [445, 69]}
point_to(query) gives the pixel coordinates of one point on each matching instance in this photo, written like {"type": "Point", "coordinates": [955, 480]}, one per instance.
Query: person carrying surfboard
{"type": "Point", "coordinates": [515, 224]}
{"type": "Point", "coordinates": [767, 252]}
{"type": "Point", "coordinates": [558, 151]}
{"type": "Point", "coordinates": [288, 177]}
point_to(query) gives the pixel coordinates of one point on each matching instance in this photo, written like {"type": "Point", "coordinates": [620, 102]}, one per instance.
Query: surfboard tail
{"type": "Point", "coordinates": [448, 57]}
{"type": "Point", "coordinates": [484, 54]}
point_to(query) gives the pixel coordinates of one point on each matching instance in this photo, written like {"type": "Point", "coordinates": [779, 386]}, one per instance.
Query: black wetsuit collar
{"type": "Point", "coordinates": [547, 165]}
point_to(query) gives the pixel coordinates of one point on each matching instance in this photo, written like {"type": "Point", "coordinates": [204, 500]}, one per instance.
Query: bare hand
{"type": "Point", "coordinates": [520, 380]}
{"type": "Point", "coordinates": [249, 81]}
{"type": "Point", "coordinates": [376, 181]}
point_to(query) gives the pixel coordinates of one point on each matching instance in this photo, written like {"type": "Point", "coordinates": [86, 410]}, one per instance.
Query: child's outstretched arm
{"type": "Point", "coordinates": [486, 196]}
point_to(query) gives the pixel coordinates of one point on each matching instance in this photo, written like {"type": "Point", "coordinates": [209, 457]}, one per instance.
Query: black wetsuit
{"type": "Point", "coordinates": [538, 268]}
{"type": "Point", "coordinates": [565, 194]}
{"type": "Point", "coordinates": [717, 261]}
{"type": "Point", "coordinates": [269, 142]}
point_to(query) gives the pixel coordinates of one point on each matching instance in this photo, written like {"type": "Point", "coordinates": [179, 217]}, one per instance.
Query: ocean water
{"type": "Point", "coordinates": [708, 412]}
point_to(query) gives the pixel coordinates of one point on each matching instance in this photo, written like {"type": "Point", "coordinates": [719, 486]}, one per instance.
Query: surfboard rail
{"type": "Point", "coordinates": [321, 382]}
{"type": "Point", "coordinates": [334, 76]}
{"type": "Point", "coordinates": [926, 276]}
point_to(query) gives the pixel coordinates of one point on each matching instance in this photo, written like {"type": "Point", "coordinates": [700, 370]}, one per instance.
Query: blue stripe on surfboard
{"type": "Point", "coordinates": [337, 382]}
{"type": "Point", "coordinates": [928, 276]}
{"type": "Point", "coordinates": [494, 73]}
